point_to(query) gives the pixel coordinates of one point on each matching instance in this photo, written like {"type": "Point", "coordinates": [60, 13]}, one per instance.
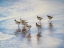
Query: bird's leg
{"type": "Point", "coordinates": [29, 30]}
{"type": "Point", "coordinates": [24, 25]}
{"type": "Point", "coordinates": [38, 29]}
{"type": "Point", "coordinates": [49, 20]}
{"type": "Point", "coordinates": [18, 25]}
{"type": "Point", "coordinates": [40, 22]}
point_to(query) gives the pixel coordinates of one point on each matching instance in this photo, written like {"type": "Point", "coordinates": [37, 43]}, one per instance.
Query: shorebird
{"type": "Point", "coordinates": [17, 22]}
{"type": "Point", "coordinates": [38, 25]}
{"type": "Point", "coordinates": [23, 22]}
{"type": "Point", "coordinates": [39, 18]}
{"type": "Point", "coordinates": [28, 26]}
{"type": "Point", "coordinates": [49, 17]}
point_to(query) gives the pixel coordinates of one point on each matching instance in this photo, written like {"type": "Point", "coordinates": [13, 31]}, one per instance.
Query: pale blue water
{"type": "Point", "coordinates": [51, 37]}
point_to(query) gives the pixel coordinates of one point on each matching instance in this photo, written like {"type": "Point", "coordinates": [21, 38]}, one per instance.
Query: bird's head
{"type": "Point", "coordinates": [15, 20]}
{"type": "Point", "coordinates": [47, 15]}
{"type": "Point", "coordinates": [37, 15]}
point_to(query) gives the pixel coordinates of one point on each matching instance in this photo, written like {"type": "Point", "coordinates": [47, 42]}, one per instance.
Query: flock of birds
{"type": "Point", "coordinates": [26, 27]}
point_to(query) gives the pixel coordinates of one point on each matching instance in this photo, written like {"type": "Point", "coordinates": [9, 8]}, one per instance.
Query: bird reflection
{"type": "Point", "coordinates": [24, 32]}
{"type": "Point", "coordinates": [51, 26]}
{"type": "Point", "coordinates": [29, 38]}
{"type": "Point", "coordinates": [29, 33]}
{"type": "Point", "coordinates": [38, 36]}
{"type": "Point", "coordinates": [17, 31]}
{"type": "Point", "coordinates": [49, 17]}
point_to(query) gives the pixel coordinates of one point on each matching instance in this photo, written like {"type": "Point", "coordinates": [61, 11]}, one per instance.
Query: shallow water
{"type": "Point", "coordinates": [12, 37]}
{"type": "Point", "coordinates": [52, 36]}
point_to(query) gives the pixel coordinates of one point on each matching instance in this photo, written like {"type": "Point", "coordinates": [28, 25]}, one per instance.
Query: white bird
{"type": "Point", "coordinates": [49, 17]}
{"type": "Point", "coordinates": [39, 18]}
{"type": "Point", "coordinates": [17, 22]}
